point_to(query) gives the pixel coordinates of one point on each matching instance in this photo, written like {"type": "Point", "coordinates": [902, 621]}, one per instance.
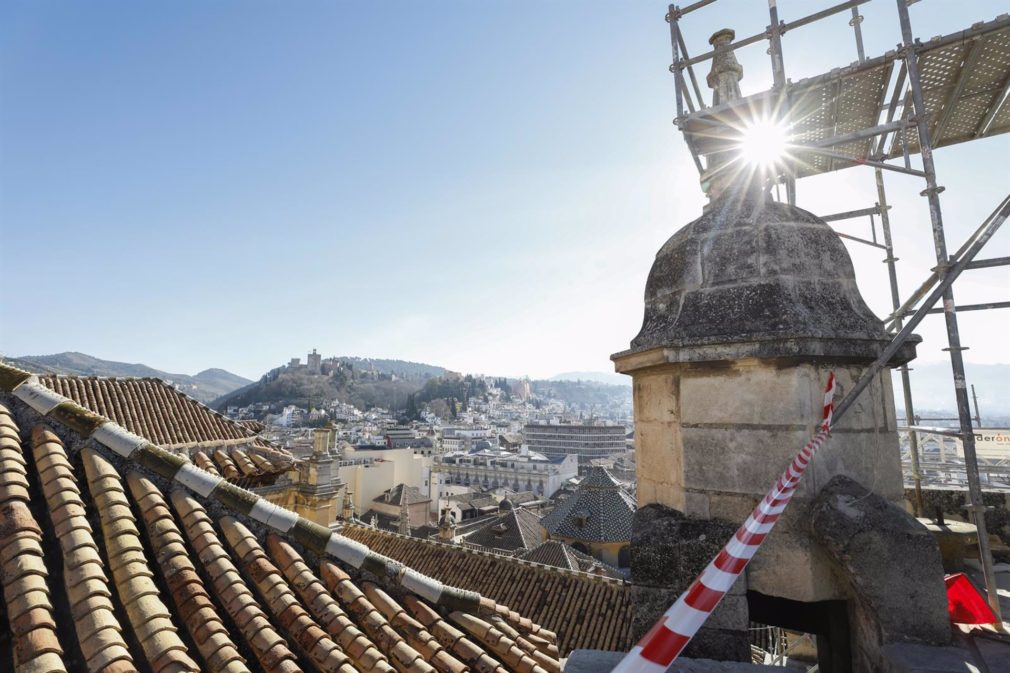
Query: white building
{"type": "Point", "coordinates": [490, 469]}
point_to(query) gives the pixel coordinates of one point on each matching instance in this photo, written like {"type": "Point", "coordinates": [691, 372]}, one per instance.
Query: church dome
{"type": "Point", "coordinates": [754, 277]}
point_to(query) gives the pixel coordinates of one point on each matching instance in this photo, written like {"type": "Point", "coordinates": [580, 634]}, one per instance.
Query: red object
{"type": "Point", "coordinates": [965, 605]}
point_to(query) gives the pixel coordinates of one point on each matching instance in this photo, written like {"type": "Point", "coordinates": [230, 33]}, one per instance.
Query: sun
{"type": "Point", "coordinates": [764, 143]}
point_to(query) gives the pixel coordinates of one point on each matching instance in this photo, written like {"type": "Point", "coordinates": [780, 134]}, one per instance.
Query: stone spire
{"type": "Point", "coordinates": [404, 528]}
{"type": "Point", "coordinates": [320, 441]}
{"type": "Point", "coordinates": [724, 78]}
{"type": "Point", "coordinates": [347, 512]}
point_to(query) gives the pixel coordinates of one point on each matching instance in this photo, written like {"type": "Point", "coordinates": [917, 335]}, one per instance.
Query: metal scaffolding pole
{"type": "Point", "coordinates": [932, 193]}
{"type": "Point", "coordinates": [779, 75]}
{"type": "Point", "coordinates": [906, 385]}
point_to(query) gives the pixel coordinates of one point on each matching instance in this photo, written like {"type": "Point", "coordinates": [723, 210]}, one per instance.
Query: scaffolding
{"type": "Point", "coordinates": [948, 90]}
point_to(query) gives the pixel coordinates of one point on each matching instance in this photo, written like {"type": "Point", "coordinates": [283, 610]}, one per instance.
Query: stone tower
{"type": "Point", "coordinates": [747, 309]}
{"type": "Point", "coordinates": [319, 482]}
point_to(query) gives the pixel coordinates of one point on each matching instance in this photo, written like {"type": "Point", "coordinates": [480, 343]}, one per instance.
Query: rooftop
{"type": "Point", "coordinates": [598, 511]}
{"type": "Point", "coordinates": [156, 565]}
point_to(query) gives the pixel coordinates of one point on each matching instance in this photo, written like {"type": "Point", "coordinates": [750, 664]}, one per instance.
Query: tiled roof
{"type": "Point", "coordinates": [473, 500]}
{"type": "Point", "coordinates": [155, 410]}
{"type": "Point", "coordinates": [401, 494]}
{"type": "Point", "coordinates": [154, 565]}
{"type": "Point", "coordinates": [598, 511]}
{"type": "Point", "coordinates": [516, 529]}
{"type": "Point", "coordinates": [560, 555]}
{"type": "Point", "coordinates": [585, 611]}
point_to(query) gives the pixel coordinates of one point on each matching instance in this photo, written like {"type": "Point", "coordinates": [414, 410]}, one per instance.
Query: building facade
{"type": "Point", "coordinates": [586, 441]}
{"type": "Point", "coordinates": [492, 469]}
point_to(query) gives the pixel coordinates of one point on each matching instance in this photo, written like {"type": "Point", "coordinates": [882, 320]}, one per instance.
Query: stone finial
{"type": "Point", "coordinates": [404, 527]}
{"type": "Point", "coordinates": [320, 441]}
{"type": "Point", "coordinates": [724, 78]}
{"type": "Point", "coordinates": [447, 526]}
{"type": "Point", "coordinates": [348, 505]}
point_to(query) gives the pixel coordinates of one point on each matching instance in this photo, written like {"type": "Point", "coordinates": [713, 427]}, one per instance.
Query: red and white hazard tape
{"type": "Point", "coordinates": [667, 639]}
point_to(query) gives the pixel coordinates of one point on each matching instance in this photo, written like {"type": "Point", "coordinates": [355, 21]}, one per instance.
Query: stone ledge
{"type": "Point", "coordinates": [599, 661]}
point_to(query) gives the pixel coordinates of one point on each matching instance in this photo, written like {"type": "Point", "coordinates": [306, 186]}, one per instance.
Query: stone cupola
{"type": "Point", "coordinates": [747, 310]}
{"type": "Point", "coordinates": [757, 278]}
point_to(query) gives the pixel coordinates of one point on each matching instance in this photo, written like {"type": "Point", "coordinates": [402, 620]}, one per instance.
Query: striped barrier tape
{"type": "Point", "coordinates": [664, 642]}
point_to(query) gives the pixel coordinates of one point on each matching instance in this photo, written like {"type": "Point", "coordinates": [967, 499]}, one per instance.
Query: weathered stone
{"type": "Point", "coordinates": [753, 270]}
{"type": "Point", "coordinates": [668, 550]}
{"type": "Point", "coordinates": [890, 561]}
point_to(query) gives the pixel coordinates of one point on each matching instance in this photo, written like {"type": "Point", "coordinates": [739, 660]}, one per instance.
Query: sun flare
{"type": "Point", "coordinates": [763, 143]}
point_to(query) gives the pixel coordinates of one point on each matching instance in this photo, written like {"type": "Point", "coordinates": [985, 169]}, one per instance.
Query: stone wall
{"type": "Point", "coordinates": [713, 438]}
{"type": "Point", "coordinates": [668, 550]}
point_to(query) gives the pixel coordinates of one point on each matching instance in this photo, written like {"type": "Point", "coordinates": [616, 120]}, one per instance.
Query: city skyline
{"type": "Point", "coordinates": [453, 184]}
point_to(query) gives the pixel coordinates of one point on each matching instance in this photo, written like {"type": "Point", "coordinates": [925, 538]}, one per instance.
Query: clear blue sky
{"type": "Point", "coordinates": [481, 185]}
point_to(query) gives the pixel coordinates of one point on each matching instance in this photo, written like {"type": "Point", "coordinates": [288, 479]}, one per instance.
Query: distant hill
{"type": "Point", "coordinates": [609, 378]}
{"type": "Point", "coordinates": [586, 395]}
{"type": "Point", "coordinates": [363, 382]}
{"type": "Point", "coordinates": [206, 386]}
{"type": "Point", "coordinates": [402, 369]}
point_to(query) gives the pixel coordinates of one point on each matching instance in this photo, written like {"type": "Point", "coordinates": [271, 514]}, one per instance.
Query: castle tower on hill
{"type": "Point", "coordinates": [315, 362]}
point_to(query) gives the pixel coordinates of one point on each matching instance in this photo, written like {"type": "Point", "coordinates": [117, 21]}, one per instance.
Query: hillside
{"type": "Point", "coordinates": [206, 386]}
{"type": "Point", "coordinates": [606, 378]}
{"type": "Point", "coordinates": [364, 383]}
{"type": "Point", "coordinates": [585, 395]}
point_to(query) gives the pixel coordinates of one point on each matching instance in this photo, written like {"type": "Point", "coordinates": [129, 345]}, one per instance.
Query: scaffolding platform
{"type": "Point", "coordinates": [849, 113]}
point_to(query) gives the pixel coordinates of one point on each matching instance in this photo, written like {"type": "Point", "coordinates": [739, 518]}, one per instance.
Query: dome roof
{"type": "Point", "coordinates": [771, 278]}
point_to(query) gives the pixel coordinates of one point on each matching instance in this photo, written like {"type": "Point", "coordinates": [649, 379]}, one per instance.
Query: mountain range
{"type": "Point", "coordinates": [205, 386]}
{"type": "Point", "coordinates": [931, 387]}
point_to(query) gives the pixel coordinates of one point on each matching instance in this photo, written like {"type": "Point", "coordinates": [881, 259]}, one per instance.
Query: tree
{"type": "Point", "coordinates": [412, 413]}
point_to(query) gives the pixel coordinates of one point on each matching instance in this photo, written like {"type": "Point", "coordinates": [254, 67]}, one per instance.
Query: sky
{"type": "Point", "coordinates": [478, 185]}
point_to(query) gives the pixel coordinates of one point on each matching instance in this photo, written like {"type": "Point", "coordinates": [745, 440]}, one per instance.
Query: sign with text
{"type": "Point", "coordinates": [992, 443]}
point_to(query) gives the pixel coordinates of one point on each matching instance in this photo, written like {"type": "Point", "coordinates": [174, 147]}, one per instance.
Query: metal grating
{"type": "Point", "coordinates": [961, 84]}
{"type": "Point", "coordinates": [833, 107]}
{"type": "Point", "coordinates": [964, 76]}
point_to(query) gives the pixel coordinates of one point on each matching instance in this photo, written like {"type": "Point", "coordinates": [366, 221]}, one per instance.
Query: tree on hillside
{"type": "Point", "coordinates": [412, 413]}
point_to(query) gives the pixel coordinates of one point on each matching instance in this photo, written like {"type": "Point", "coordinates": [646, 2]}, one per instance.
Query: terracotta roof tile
{"type": "Point", "coordinates": [268, 646]}
{"type": "Point", "coordinates": [584, 610]}
{"type": "Point", "coordinates": [404, 657]}
{"type": "Point", "coordinates": [151, 408]}
{"type": "Point", "coordinates": [501, 645]}
{"type": "Point", "coordinates": [149, 616]}
{"type": "Point", "coordinates": [203, 461]}
{"type": "Point", "coordinates": [27, 601]}
{"type": "Point", "coordinates": [282, 602]}
{"type": "Point", "coordinates": [98, 631]}
{"type": "Point", "coordinates": [325, 609]}
{"type": "Point", "coordinates": [413, 631]}
{"type": "Point", "coordinates": [192, 602]}
{"type": "Point", "coordinates": [227, 466]}
{"type": "Point", "coordinates": [452, 638]}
